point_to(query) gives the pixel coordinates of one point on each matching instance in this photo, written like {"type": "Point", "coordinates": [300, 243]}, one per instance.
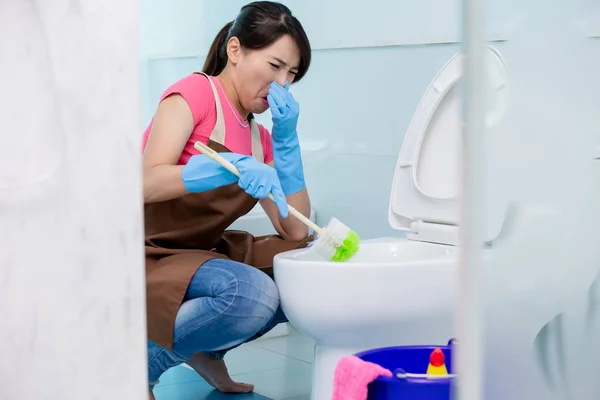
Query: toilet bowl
{"type": "Point", "coordinates": [395, 291]}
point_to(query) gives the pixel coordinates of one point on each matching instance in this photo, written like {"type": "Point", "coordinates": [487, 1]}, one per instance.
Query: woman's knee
{"type": "Point", "coordinates": [251, 296]}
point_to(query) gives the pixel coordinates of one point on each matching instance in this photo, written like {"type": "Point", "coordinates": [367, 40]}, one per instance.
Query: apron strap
{"type": "Point", "coordinates": [218, 133]}
{"type": "Point", "coordinates": [257, 149]}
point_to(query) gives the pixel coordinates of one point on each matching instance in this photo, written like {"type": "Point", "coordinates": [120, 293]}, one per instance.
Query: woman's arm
{"type": "Point", "coordinates": [173, 124]}
{"type": "Point", "coordinates": [289, 228]}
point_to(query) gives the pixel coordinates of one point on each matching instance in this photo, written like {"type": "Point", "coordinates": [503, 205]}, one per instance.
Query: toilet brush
{"type": "Point", "coordinates": [335, 242]}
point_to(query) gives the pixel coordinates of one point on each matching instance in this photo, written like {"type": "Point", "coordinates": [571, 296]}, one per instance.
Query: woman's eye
{"type": "Point", "coordinates": [274, 65]}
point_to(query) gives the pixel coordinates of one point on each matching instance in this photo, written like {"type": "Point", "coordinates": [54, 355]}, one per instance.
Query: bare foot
{"type": "Point", "coordinates": [151, 395]}
{"type": "Point", "coordinates": [216, 375]}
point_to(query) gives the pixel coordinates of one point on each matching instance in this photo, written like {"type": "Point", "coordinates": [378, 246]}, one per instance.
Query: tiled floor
{"type": "Point", "coordinates": [279, 368]}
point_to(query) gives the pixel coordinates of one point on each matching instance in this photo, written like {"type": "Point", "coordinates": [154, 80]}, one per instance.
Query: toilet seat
{"type": "Point", "coordinates": [424, 200]}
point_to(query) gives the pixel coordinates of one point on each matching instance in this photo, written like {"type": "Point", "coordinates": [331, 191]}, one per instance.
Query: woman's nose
{"type": "Point", "coordinates": [281, 78]}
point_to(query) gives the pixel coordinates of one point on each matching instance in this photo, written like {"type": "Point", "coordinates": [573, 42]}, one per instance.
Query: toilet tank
{"type": "Point", "coordinates": [258, 223]}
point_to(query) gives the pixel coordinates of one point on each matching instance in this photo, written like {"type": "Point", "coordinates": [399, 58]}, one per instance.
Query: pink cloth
{"type": "Point", "coordinates": [352, 377]}
{"type": "Point", "coordinates": [197, 92]}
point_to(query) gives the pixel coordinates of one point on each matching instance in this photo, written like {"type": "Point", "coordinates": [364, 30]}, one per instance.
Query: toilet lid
{"type": "Point", "coordinates": [428, 173]}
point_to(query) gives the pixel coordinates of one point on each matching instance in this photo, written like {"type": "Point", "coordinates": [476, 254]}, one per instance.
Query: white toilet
{"type": "Point", "coordinates": [394, 291]}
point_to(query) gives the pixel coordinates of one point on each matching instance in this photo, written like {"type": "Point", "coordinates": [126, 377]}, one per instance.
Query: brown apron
{"type": "Point", "coordinates": [183, 233]}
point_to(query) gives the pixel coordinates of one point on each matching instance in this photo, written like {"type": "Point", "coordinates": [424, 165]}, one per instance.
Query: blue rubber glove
{"type": "Point", "coordinates": [257, 179]}
{"type": "Point", "coordinates": [202, 174]}
{"type": "Point", "coordinates": [286, 147]}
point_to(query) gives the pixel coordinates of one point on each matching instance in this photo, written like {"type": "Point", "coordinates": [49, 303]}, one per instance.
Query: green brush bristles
{"type": "Point", "coordinates": [337, 242]}
{"type": "Point", "coordinates": [348, 248]}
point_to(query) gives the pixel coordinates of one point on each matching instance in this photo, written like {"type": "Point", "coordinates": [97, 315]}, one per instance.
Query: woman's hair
{"type": "Point", "coordinates": [258, 25]}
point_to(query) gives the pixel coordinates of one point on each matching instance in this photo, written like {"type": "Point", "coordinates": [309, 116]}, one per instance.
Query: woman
{"type": "Point", "coordinates": [205, 291]}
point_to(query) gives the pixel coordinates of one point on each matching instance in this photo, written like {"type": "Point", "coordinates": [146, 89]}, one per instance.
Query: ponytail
{"type": "Point", "coordinates": [216, 60]}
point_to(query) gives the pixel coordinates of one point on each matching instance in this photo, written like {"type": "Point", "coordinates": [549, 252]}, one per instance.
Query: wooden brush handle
{"type": "Point", "coordinates": [207, 151]}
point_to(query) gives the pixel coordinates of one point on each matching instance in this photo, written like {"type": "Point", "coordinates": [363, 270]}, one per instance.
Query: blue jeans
{"type": "Point", "coordinates": [227, 303]}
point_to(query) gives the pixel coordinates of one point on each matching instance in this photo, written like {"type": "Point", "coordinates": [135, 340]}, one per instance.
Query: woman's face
{"type": "Point", "coordinates": [256, 69]}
